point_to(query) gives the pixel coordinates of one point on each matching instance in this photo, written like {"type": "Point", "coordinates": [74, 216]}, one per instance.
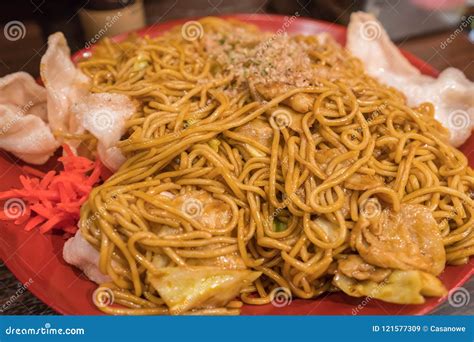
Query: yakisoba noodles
{"type": "Point", "coordinates": [258, 163]}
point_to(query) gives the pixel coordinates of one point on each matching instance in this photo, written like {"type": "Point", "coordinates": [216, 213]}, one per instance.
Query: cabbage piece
{"type": "Point", "coordinates": [329, 228]}
{"type": "Point", "coordinates": [187, 288]}
{"type": "Point", "coordinates": [400, 287]}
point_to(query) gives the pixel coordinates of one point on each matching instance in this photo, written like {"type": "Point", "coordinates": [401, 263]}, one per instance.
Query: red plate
{"type": "Point", "coordinates": [30, 255]}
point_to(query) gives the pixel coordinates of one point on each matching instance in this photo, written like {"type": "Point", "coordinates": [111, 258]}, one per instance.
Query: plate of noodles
{"type": "Point", "coordinates": [239, 164]}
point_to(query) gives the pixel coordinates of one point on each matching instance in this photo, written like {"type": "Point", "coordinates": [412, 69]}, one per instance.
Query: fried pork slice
{"type": "Point", "coordinates": [361, 182]}
{"type": "Point", "coordinates": [204, 208]}
{"type": "Point", "coordinates": [405, 240]}
{"type": "Point", "coordinates": [257, 130]}
{"type": "Point", "coordinates": [355, 267]}
{"type": "Point", "coordinates": [301, 102]}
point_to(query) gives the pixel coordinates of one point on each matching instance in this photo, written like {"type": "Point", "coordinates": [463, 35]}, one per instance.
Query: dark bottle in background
{"type": "Point", "coordinates": [106, 18]}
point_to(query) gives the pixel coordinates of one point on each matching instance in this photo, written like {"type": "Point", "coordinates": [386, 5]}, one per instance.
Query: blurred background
{"type": "Point", "coordinates": [419, 26]}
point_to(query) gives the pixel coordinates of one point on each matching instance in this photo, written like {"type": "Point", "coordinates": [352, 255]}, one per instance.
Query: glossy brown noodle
{"type": "Point", "coordinates": [183, 138]}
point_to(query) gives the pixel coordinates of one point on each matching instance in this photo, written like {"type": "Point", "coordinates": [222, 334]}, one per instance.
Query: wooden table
{"type": "Point", "coordinates": [459, 53]}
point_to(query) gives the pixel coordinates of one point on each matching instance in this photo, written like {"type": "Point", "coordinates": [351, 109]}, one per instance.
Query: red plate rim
{"type": "Point", "coordinates": [23, 271]}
